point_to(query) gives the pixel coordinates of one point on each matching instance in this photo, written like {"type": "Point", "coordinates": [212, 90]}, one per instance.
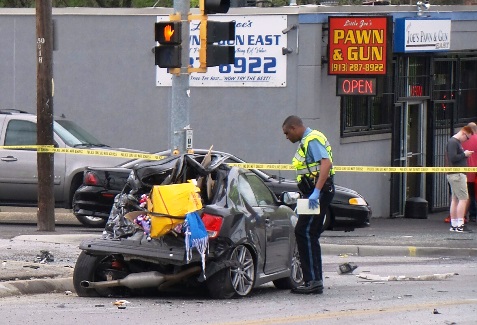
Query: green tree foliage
{"type": "Point", "coordinates": [95, 3]}
{"type": "Point", "coordinates": [195, 3]}
{"type": "Point", "coordinates": [82, 3]}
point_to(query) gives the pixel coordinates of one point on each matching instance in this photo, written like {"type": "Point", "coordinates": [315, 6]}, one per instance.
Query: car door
{"type": "Point", "coordinates": [18, 167]}
{"type": "Point", "coordinates": [276, 221]}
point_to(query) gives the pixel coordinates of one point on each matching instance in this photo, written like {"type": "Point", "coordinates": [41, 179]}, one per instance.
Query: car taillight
{"type": "Point", "coordinates": [90, 178]}
{"type": "Point", "coordinates": [212, 224]}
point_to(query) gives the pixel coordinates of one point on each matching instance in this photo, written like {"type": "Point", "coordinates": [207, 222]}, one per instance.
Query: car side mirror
{"type": "Point", "coordinates": [289, 198]}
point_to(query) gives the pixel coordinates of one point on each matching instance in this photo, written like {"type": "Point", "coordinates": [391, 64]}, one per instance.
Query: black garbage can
{"type": "Point", "coordinates": [416, 208]}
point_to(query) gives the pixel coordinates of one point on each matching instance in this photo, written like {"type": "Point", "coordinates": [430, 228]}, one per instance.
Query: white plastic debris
{"type": "Point", "coordinates": [432, 277]}
{"type": "Point", "coordinates": [120, 303]}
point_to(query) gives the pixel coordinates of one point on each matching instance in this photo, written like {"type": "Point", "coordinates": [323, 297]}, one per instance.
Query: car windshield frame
{"type": "Point", "coordinates": [74, 135]}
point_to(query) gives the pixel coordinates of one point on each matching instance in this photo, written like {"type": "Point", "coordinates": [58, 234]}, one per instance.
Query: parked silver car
{"type": "Point", "coordinates": [18, 167]}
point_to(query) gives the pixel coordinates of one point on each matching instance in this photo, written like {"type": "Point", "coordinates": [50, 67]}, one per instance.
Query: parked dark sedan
{"type": "Point", "coordinates": [92, 202]}
{"type": "Point", "coordinates": [250, 234]}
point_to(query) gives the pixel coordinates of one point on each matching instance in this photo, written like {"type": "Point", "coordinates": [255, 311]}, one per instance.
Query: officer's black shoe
{"type": "Point", "coordinates": [309, 287]}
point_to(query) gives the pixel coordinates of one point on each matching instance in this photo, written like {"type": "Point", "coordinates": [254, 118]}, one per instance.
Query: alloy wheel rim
{"type": "Point", "coordinates": [296, 272]}
{"type": "Point", "coordinates": [242, 276]}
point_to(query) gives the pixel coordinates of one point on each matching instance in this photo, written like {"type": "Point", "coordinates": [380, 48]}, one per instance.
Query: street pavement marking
{"type": "Point", "coordinates": [352, 313]}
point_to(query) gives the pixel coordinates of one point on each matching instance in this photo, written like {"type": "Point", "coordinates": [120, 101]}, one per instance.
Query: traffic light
{"type": "Point", "coordinates": [169, 36]}
{"type": "Point", "coordinates": [216, 6]}
{"type": "Point", "coordinates": [217, 32]}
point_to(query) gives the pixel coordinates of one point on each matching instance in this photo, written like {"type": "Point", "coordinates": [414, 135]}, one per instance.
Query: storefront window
{"type": "Point", "coordinates": [368, 114]}
{"type": "Point", "coordinates": [444, 80]}
{"type": "Point", "coordinates": [413, 77]}
{"type": "Point", "coordinates": [467, 101]}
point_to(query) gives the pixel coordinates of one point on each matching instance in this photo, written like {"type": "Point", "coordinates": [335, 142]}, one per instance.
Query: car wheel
{"type": "Point", "coordinates": [296, 277]}
{"type": "Point", "coordinates": [97, 268]}
{"type": "Point", "coordinates": [234, 280]}
{"type": "Point", "coordinates": [327, 220]}
{"type": "Point", "coordinates": [93, 222]}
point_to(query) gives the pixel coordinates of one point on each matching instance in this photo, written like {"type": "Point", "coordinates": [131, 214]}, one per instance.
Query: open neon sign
{"type": "Point", "coordinates": [346, 86]}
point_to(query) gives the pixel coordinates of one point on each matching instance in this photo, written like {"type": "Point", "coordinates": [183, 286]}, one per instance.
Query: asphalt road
{"type": "Point", "coordinates": [382, 249]}
{"type": "Point", "coordinates": [347, 299]}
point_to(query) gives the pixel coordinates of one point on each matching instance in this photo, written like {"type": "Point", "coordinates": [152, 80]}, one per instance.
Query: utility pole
{"type": "Point", "coordinates": [44, 107]}
{"type": "Point", "coordinates": [180, 105]}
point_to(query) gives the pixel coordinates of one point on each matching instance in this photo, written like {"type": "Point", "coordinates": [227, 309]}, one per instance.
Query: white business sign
{"type": "Point", "coordinates": [427, 35]}
{"type": "Point", "coordinates": [259, 61]}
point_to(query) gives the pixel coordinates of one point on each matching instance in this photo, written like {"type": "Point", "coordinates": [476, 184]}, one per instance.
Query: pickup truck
{"type": "Point", "coordinates": [18, 167]}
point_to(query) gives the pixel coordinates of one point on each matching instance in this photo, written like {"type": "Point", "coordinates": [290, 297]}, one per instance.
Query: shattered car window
{"type": "Point", "coordinates": [246, 191]}
{"type": "Point", "coordinates": [263, 195]}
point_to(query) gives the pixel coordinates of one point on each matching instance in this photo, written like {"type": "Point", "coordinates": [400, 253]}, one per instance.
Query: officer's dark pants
{"type": "Point", "coordinates": [307, 232]}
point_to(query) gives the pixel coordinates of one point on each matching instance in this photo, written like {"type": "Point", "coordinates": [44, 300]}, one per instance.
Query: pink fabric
{"type": "Point", "coordinates": [471, 144]}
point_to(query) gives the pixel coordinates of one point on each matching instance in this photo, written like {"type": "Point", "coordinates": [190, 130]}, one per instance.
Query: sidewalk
{"type": "Point", "coordinates": [23, 273]}
{"type": "Point", "coordinates": [405, 237]}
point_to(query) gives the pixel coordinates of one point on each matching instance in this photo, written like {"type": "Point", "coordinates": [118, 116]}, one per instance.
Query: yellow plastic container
{"type": "Point", "coordinates": [175, 200]}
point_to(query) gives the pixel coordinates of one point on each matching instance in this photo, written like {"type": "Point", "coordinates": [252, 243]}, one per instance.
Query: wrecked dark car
{"type": "Point", "coordinates": [93, 200]}
{"type": "Point", "coordinates": [249, 234]}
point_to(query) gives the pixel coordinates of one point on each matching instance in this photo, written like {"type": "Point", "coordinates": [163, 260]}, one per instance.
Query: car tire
{"type": "Point", "coordinates": [91, 221]}
{"type": "Point", "coordinates": [235, 280]}
{"type": "Point", "coordinates": [92, 268]}
{"type": "Point", "coordinates": [296, 277]}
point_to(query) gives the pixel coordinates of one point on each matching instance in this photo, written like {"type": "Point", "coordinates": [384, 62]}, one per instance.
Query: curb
{"type": "Point", "coordinates": [28, 217]}
{"type": "Point", "coordinates": [36, 286]}
{"type": "Point", "coordinates": [408, 251]}
{"type": "Point", "coordinates": [41, 286]}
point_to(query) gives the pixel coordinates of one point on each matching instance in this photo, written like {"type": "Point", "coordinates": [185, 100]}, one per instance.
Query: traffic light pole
{"type": "Point", "coordinates": [167, 56]}
{"type": "Point", "coordinates": [180, 101]}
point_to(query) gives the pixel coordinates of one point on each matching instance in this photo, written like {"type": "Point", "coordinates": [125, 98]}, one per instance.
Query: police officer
{"type": "Point", "coordinates": [313, 159]}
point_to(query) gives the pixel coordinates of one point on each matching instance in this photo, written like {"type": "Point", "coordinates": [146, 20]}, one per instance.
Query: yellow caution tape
{"type": "Point", "coordinates": [89, 152]}
{"type": "Point", "coordinates": [25, 147]}
{"type": "Point", "coordinates": [263, 166]}
{"type": "Point", "coordinates": [146, 156]}
{"type": "Point", "coordinates": [366, 169]}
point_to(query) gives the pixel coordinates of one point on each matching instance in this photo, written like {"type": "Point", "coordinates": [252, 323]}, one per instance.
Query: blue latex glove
{"type": "Point", "coordinates": [313, 200]}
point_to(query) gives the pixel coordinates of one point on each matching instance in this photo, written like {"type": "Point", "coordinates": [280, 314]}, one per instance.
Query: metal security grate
{"type": "Point", "coordinates": [441, 134]}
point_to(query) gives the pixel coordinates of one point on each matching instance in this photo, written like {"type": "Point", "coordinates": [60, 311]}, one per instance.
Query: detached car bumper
{"type": "Point", "coordinates": [167, 250]}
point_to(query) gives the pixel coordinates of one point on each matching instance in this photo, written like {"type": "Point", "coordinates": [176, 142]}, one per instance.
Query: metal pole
{"type": "Point", "coordinates": [44, 90]}
{"type": "Point", "coordinates": [180, 86]}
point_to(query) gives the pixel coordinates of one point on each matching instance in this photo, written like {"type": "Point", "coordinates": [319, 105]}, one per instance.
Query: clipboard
{"type": "Point", "coordinates": [303, 208]}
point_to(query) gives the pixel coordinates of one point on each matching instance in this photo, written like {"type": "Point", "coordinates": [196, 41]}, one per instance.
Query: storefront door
{"type": "Point", "coordinates": [408, 151]}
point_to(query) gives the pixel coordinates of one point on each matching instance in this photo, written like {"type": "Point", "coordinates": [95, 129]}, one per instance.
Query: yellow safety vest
{"type": "Point", "coordinates": [299, 162]}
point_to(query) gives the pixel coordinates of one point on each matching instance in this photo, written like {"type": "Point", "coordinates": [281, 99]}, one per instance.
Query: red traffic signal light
{"type": "Point", "coordinates": [169, 35]}
{"type": "Point", "coordinates": [168, 32]}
